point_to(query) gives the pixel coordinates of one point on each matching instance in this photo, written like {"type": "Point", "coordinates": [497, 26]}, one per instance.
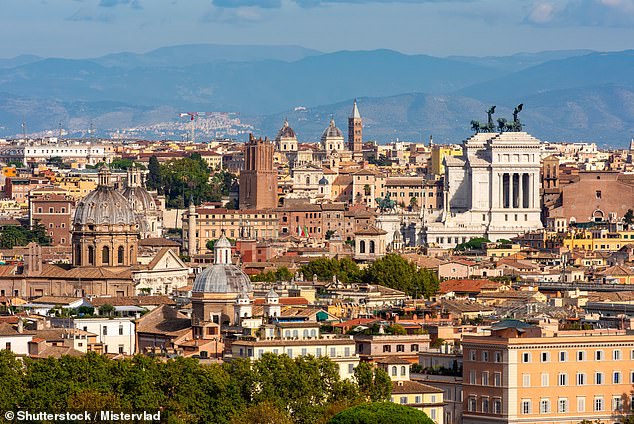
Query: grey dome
{"type": "Point", "coordinates": [285, 132]}
{"type": "Point", "coordinates": [104, 206]}
{"type": "Point", "coordinates": [140, 199]}
{"type": "Point", "coordinates": [222, 279]}
{"type": "Point", "coordinates": [331, 132]}
{"type": "Point", "coordinates": [323, 181]}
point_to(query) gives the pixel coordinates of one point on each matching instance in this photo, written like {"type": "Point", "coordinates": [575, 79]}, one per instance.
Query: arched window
{"type": "Point", "coordinates": [307, 180]}
{"type": "Point", "coordinates": [91, 255]}
{"type": "Point", "coordinates": [403, 370]}
{"type": "Point", "coordinates": [371, 246]}
{"type": "Point", "coordinates": [120, 254]}
{"type": "Point", "coordinates": [394, 372]}
{"type": "Point", "coordinates": [77, 253]}
{"type": "Point", "coordinates": [105, 255]}
{"type": "Point", "coordinates": [313, 333]}
{"type": "Point", "coordinates": [131, 255]}
{"type": "Point", "coordinates": [362, 246]}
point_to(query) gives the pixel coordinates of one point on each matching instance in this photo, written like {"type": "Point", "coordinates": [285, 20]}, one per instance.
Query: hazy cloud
{"type": "Point", "coordinates": [135, 4]}
{"type": "Point", "coordinates": [264, 4]}
{"type": "Point", "coordinates": [591, 13]}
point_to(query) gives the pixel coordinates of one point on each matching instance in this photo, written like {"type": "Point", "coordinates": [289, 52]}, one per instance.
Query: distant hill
{"type": "Point", "coordinates": [192, 54]}
{"type": "Point", "coordinates": [573, 95]}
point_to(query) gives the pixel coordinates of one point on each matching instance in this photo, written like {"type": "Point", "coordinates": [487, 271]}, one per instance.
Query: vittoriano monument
{"type": "Point", "coordinates": [502, 124]}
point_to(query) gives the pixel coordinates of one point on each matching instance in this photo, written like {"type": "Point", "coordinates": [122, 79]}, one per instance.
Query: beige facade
{"type": "Point", "coordinates": [561, 377]}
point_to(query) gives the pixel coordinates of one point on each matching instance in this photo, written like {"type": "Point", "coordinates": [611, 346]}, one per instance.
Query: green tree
{"type": "Point", "coordinates": [325, 268]}
{"type": "Point", "coordinates": [39, 235]}
{"type": "Point", "coordinates": [381, 413]}
{"type": "Point", "coordinates": [628, 218]}
{"type": "Point", "coordinates": [396, 272]}
{"type": "Point", "coordinates": [153, 181]}
{"type": "Point", "coordinates": [374, 383]}
{"type": "Point", "coordinates": [12, 387]}
{"type": "Point", "coordinates": [262, 413]}
{"type": "Point", "coordinates": [13, 235]}
{"type": "Point", "coordinates": [473, 244]}
{"type": "Point", "coordinates": [125, 164]}
{"type": "Point", "coordinates": [106, 309]}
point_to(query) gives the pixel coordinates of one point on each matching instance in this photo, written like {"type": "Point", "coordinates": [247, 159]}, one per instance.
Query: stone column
{"type": "Point", "coordinates": [511, 190]}
{"type": "Point", "coordinates": [500, 203]}
{"type": "Point", "coordinates": [520, 190]}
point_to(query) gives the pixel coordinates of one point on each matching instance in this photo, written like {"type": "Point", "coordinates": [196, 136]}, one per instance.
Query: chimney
{"type": "Point", "coordinates": [20, 326]}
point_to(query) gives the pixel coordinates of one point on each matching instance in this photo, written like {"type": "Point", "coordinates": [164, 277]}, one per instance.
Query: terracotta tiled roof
{"type": "Point", "coordinates": [467, 286]}
{"type": "Point", "coordinates": [163, 320]}
{"type": "Point", "coordinates": [284, 301]}
{"type": "Point", "coordinates": [412, 387]}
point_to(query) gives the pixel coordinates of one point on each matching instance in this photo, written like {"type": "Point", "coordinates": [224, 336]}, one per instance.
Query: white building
{"type": "Point", "coordinates": [117, 334]}
{"type": "Point", "coordinates": [491, 191]}
{"type": "Point", "coordinates": [81, 152]}
{"type": "Point", "coordinates": [13, 337]}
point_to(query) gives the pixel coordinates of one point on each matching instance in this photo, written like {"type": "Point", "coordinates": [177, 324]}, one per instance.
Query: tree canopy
{"type": "Point", "coordinates": [17, 235]}
{"type": "Point", "coordinates": [273, 389]}
{"type": "Point", "coordinates": [396, 272]}
{"type": "Point", "coordinates": [474, 243]}
{"type": "Point", "coordinates": [346, 270]}
{"type": "Point", "coordinates": [381, 413]}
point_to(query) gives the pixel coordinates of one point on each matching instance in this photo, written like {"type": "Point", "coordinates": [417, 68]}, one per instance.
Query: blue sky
{"type": "Point", "coordinates": [89, 28]}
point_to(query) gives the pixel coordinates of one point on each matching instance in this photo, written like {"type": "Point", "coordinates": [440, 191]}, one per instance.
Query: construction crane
{"type": "Point", "coordinates": [193, 116]}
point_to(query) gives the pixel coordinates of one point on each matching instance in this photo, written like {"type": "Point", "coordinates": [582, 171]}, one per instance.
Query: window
{"type": "Point", "coordinates": [581, 379]}
{"type": "Point", "coordinates": [104, 330]}
{"type": "Point", "coordinates": [563, 379]}
{"type": "Point", "coordinates": [544, 406]}
{"type": "Point", "coordinates": [472, 377]}
{"type": "Point", "coordinates": [7, 346]}
{"type": "Point", "coordinates": [105, 255]}
{"type": "Point", "coordinates": [472, 355]}
{"type": "Point", "coordinates": [121, 330]}
{"type": "Point", "coordinates": [403, 400]}
{"type": "Point", "coordinates": [121, 349]}
{"type": "Point", "coordinates": [526, 407]}
{"type": "Point", "coordinates": [387, 348]}
{"type": "Point", "coordinates": [616, 377]}
{"type": "Point", "coordinates": [581, 404]}
{"type": "Point", "coordinates": [617, 403]}
{"type": "Point", "coordinates": [497, 379]}
{"type": "Point", "coordinates": [581, 356]}
{"type": "Point", "coordinates": [485, 378]}
{"type": "Point", "coordinates": [120, 253]}
{"type": "Point", "coordinates": [485, 404]}
{"type": "Point", "coordinates": [471, 406]}
{"type": "Point", "coordinates": [598, 355]}
{"type": "Point", "coordinates": [598, 194]}
{"type": "Point", "coordinates": [545, 357]}
{"type": "Point", "coordinates": [544, 379]}
{"type": "Point", "coordinates": [562, 406]}
{"type": "Point", "coordinates": [400, 348]}
{"type": "Point", "coordinates": [417, 400]}
{"type": "Point", "coordinates": [526, 357]}
{"type": "Point", "coordinates": [498, 356]}
{"type": "Point", "coordinates": [598, 404]}
{"type": "Point", "coordinates": [563, 356]}
{"type": "Point", "coordinates": [598, 378]}
{"type": "Point", "coordinates": [526, 380]}
{"type": "Point", "coordinates": [318, 352]}
{"type": "Point", "coordinates": [394, 371]}
{"type": "Point", "coordinates": [616, 355]}
{"type": "Point", "coordinates": [403, 371]}
{"type": "Point", "coordinates": [497, 406]}
{"type": "Point", "coordinates": [485, 356]}
{"type": "Point", "coordinates": [414, 348]}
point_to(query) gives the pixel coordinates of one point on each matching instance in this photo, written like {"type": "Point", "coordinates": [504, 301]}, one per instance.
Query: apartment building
{"type": "Point", "coordinates": [527, 374]}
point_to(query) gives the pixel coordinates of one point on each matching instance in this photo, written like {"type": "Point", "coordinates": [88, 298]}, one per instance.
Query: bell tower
{"type": "Point", "coordinates": [355, 132]}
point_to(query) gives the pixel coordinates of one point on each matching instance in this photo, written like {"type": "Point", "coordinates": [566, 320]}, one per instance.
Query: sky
{"type": "Point", "coordinates": [91, 28]}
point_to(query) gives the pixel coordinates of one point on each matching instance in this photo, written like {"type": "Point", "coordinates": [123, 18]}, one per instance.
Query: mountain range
{"type": "Point", "coordinates": [567, 95]}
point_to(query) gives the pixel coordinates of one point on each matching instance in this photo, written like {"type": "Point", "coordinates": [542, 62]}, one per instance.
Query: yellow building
{"type": "Point", "coordinates": [77, 187]}
{"type": "Point", "coordinates": [497, 250]}
{"type": "Point", "coordinates": [438, 154]}
{"type": "Point", "coordinates": [525, 374]}
{"type": "Point", "coordinates": [9, 171]}
{"type": "Point", "coordinates": [412, 393]}
{"type": "Point", "coordinates": [598, 240]}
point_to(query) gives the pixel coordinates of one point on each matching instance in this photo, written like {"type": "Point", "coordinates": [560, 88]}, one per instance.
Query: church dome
{"type": "Point", "coordinates": [139, 198]}
{"type": "Point", "coordinates": [286, 132]}
{"type": "Point", "coordinates": [323, 181]}
{"type": "Point", "coordinates": [222, 242]}
{"type": "Point", "coordinates": [222, 279]}
{"type": "Point", "coordinates": [331, 132]}
{"type": "Point", "coordinates": [104, 206]}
